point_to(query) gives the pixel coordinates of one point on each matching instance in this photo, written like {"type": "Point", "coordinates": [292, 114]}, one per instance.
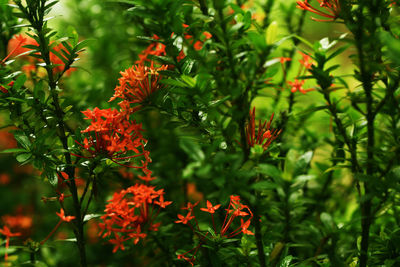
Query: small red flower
{"type": "Point", "coordinates": [244, 227]}
{"type": "Point", "coordinates": [235, 209]}
{"type": "Point", "coordinates": [64, 218]}
{"type": "Point", "coordinates": [155, 48]}
{"type": "Point", "coordinates": [210, 208]}
{"type": "Point", "coordinates": [298, 86]}
{"type": "Point", "coordinates": [7, 233]}
{"type": "Point", "coordinates": [185, 219]}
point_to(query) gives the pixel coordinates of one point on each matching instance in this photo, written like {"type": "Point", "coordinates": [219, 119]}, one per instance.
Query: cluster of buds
{"type": "Point", "coordinates": [265, 134]}
{"type": "Point", "coordinates": [331, 7]}
{"type": "Point", "coordinates": [234, 210]}
{"type": "Point", "coordinates": [129, 212]}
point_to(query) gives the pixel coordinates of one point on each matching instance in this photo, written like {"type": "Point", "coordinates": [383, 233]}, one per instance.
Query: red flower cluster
{"type": "Point", "coordinates": [155, 48]}
{"type": "Point", "coordinates": [265, 134]}
{"type": "Point", "coordinates": [198, 45]}
{"type": "Point", "coordinates": [234, 210]}
{"type": "Point", "coordinates": [113, 136]}
{"type": "Point", "coordinates": [305, 65]}
{"type": "Point", "coordinates": [332, 8]}
{"type": "Point", "coordinates": [130, 211]}
{"type": "Point", "coordinates": [136, 85]}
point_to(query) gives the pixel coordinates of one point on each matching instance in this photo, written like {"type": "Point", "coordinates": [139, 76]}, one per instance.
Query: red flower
{"type": "Point", "coordinates": [298, 86]}
{"type": "Point", "coordinates": [137, 84]}
{"type": "Point", "coordinates": [306, 60]}
{"type": "Point", "coordinates": [113, 136]}
{"type": "Point", "coordinates": [63, 217]}
{"type": "Point", "coordinates": [7, 233]}
{"type": "Point", "coordinates": [265, 134]}
{"type": "Point", "coordinates": [129, 211]}
{"type": "Point", "coordinates": [155, 48]}
{"type": "Point", "coordinates": [190, 206]}
{"type": "Point", "coordinates": [185, 219]}
{"type": "Point", "coordinates": [235, 209]}
{"type": "Point", "coordinates": [210, 208]}
{"type": "Point", "coordinates": [332, 8]}
{"type": "Point", "coordinates": [244, 227]}
{"type": "Point", "coordinates": [118, 241]}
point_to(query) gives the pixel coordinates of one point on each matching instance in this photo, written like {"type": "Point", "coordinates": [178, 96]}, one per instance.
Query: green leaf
{"type": "Point", "coordinates": [269, 170]}
{"type": "Point", "coordinates": [63, 59]}
{"type": "Point", "coordinates": [302, 162]}
{"type": "Point", "coordinates": [82, 44]}
{"type": "Point", "coordinates": [192, 149]}
{"type": "Point", "coordinates": [271, 33]}
{"type": "Point", "coordinates": [14, 150]}
{"type": "Point", "coordinates": [91, 216]}
{"type": "Point", "coordinates": [173, 82]}
{"type": "Point", "coordinates": [19, 82]}
{"type": "Point", "coordinates": [52, 177]}
{"type": "Point", "coordinates": [22, 139]}
{"type": "Point", "coordinates": [21, 158]}
{"type": "Point", "coordinates": [16, 99]}
{"type": "Point", "coordinates": [264, 185]}
{"type": "Point", "coordinates": [37, 89]}
{"type": "Point", "coordinates": [189, 80]}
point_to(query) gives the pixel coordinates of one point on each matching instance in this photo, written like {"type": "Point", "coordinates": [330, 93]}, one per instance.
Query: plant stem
{"type": "Point", "coordinates": [258, 237]}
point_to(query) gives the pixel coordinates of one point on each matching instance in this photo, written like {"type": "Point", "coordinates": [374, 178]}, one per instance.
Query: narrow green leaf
{"type": "Point", "coordinates": [23, 157]}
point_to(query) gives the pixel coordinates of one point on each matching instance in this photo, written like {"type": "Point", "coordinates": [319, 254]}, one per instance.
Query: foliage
{"type": "Point", "coordinates": [285, 131]}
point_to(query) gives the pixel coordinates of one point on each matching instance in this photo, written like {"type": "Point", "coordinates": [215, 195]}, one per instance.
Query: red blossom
{"type": "Point", "coordinates": [155, 48]}
{"type": "Point", "coordinates": [137, 84]}
{"type": "Point", "coordinates": [235, 209]}
{"type": "Point", "coordinates": [7, 233]}
{"type": "Point", "coordinates": [131, 210]}
{"type": "Point", "coordinates": [64, 218]}
{"type": "Point", "coordinates": [113, 136]}
{"type": "Point", "coordinates": [298, 86]}
{"type": "Point", "coordinates": [185, 219]}
{"type": "Point", "coordinates": [210, 208]}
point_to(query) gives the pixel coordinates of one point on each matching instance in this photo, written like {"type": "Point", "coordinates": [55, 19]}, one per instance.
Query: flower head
{"type": "Point", "coordinates": [185, 219]}
{"type": "Point", "coordinates": [297, 85]}
{"type": "Point", "coordinates": [210, 208]}
{"type": "Point", "coordinates": [113, 136]}
{"type": "Point", "coordinates": [129, 211]}
{"type": "Point", "coordinates": [137, 84]}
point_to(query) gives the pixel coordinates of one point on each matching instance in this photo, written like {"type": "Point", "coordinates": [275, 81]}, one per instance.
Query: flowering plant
{"type": "Point", "coordinates": [274, 123]}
